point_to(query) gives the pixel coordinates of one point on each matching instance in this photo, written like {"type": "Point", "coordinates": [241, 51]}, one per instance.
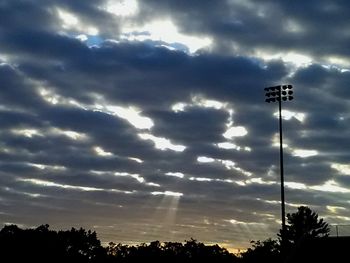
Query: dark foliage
{"type": "Point", "coordinates": [331, 249]}
{"type": "Point", "coordinates": [79, 246]}
{"type": "Point", "coordinates": [306, 240]}
{"type": "Point", "coordinates": [304, 224]}
{"type": "Point", "coordinates": [303, 231]}
{"type": "Point", "coordinates": [263, 251]}
{"type": "Point", "coordinates": [44, 245]}
{"type": "Point", "coordinates": [190, 251]}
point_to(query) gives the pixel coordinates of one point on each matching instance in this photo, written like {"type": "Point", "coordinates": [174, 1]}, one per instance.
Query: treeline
{"type": "Point", "coordinates": [78, 245]}
{"type": "Point", "coordinates": [42, 244]}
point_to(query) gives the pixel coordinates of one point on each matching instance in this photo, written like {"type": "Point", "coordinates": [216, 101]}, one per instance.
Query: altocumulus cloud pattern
{"type": "Point", "coordinates": [146, 119]}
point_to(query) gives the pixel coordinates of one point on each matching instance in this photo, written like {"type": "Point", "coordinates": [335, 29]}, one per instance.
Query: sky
{"type": "Point", "coordinates": [146, 120]}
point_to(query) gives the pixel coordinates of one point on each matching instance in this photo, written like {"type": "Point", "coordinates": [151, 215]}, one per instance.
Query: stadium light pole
{"type": "Point", "coordinates": [279, 94]}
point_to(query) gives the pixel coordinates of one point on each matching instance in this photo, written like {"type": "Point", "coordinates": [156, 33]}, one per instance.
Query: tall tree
{"type": "Point", "coordinates": [304, 224]}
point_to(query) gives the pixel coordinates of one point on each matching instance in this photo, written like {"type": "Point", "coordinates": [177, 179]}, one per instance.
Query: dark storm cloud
{"type": "Point", "coordinates": [41, 15]}
{"type": "Point", "coordinates": [16, 92]}
{"type": "Point", "coordinates": [11, 119]}
{"type": "Point", "coordinates": [325, 128]}
{"type": "Point", "coordinates": [157, 68]}
{"type": "Point", "coordinates": [118, 137]}
{"type": "Point", "coordinates": [203, 123]}
{"type": "Point", "coordinates": [328, 79]}
{"type": "Point", "coordinates": [23, 15]}
{"type": "Point", "coordinates": [43, 45]}
{"type": "Point", "coordinates": [267, 25]}
{"type": "Point", "coordinates": [250, 25]}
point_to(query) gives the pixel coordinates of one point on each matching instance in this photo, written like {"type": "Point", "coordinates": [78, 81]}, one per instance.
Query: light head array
{"type": "Point", "coordinates": [279, 93]}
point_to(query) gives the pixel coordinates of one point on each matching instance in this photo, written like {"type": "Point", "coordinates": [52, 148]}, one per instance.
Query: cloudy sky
{"type": "Point", "coordinates": [146, 119]}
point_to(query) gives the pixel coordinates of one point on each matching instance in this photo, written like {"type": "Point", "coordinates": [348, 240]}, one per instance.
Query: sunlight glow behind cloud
{"type": "Point", "coordinates": [295, 185]}
{"type": "Point", "coordinates": [330, 186]}
{"type": "Point", "coordinates": [132, 115]}
{"type": "Point", "coordinates": [66, 186]}
{"type": "Point", "coordinates": [304, 153]}
{"type": "Point", "coordinates": [165, 30]}
{"type": "Point", "coordinates": [26, 132]}
{"type": "Point", "coordinates": [202, 102]}
{"type": "Point", "coordinates": [168, 193]}
{"type": "Point", "coordinates": [101, 152]}
{"type": "Point", "coordinates": [228, 164]}
{"type": "Point", "coordinates": [138, 160]}
{"type": "Point", "coordinates": [71, 22]}
{"type": "Point", "coordinates": [204, 159]}
{"type": "Point", "coordinates": [341, 168]}
{"type": "Point", "coordinates": [335, 209]}
{"type": "Point", "coordinates": [237, 131]}
{"type": "Point", "coordinates": [48, 167]}
{"type": "Point", "coordinates": [229, 146]}
{"type": "Point", "coordinates": [162, 143]}
{"type": "Point", "coordinates": [71, 134]}
{"type": "Point", "coordinates": [122, 7]}
{"type": "Point", "coordinates": [236, 222]}
{"type": "Point", "coordinates": [295, 58]}
{"type": "Point", "coordinates": [176, 174]}
{"type": "Point", "coordinates": [287, 115]}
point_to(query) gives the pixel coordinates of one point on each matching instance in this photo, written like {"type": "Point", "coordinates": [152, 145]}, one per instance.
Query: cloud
{"type": "Point", "coordinates": [250, 26]}
{"type": "Point", "coordinates": [127, 132]}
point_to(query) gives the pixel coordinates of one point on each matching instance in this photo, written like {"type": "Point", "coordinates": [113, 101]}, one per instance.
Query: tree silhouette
{"type": "Point", "coordinates": [304, 224]}
{"type": "Point", "coordinates": [80, 245]}
{"type": "Point", "coordinates": [191, 251]}
{"type": "Point", "coordinates": [44, 245]}
{"type": "Point", "coordinates": [263, 251]}
{"type": "Point", "coordinates": [304, 232]}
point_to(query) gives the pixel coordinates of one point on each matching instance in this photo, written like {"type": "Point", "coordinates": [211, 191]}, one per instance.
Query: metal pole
{"type": "Point", "coordinates": [274, 94]}
{"type": "Point", "coordinates": [336, 227]}
{"type": "Point", "coordinates": [281, 170]}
